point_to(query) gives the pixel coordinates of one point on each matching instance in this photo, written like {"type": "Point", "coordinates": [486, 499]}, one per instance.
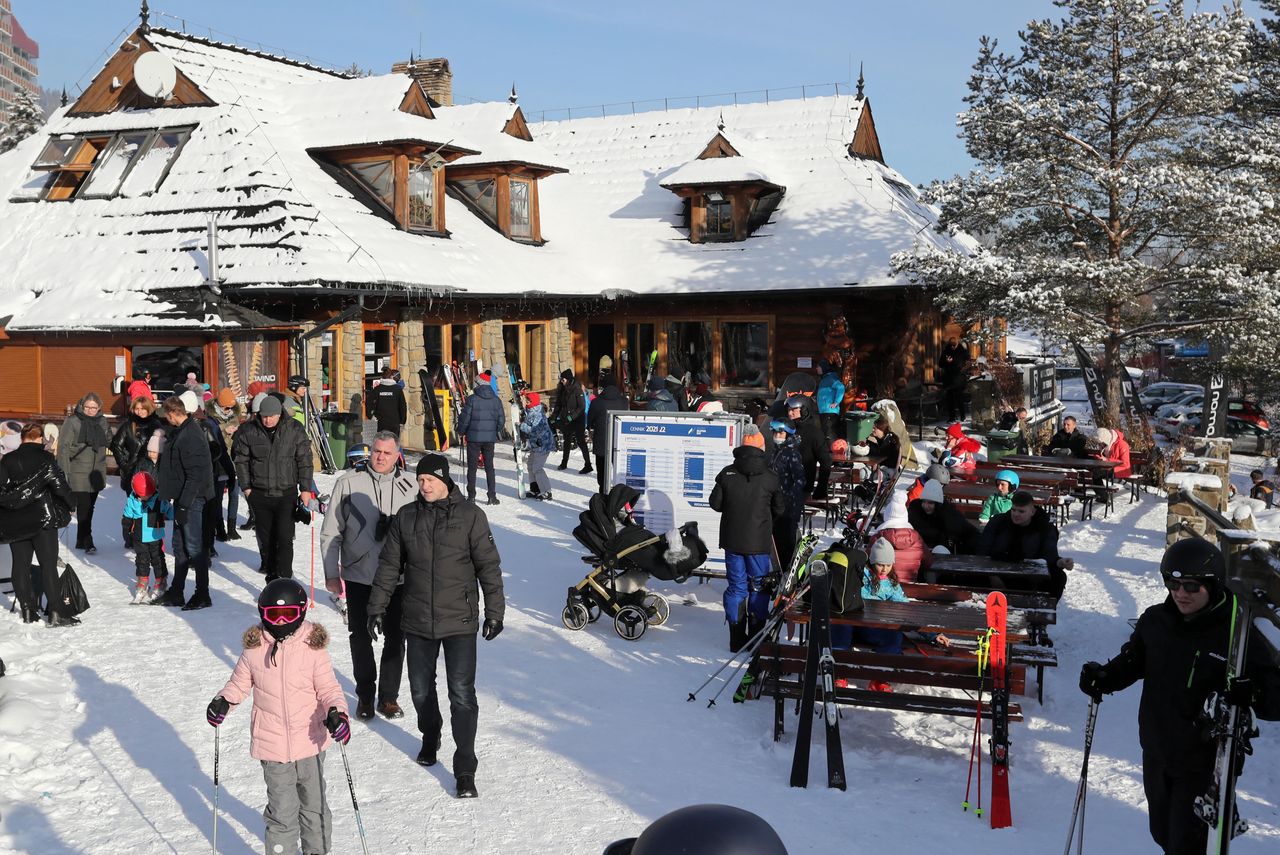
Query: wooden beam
{"type": "Point", "coordinates": [401, 207]}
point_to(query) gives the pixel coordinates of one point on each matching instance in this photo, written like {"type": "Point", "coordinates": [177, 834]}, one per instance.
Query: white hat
{"type": "Point", "coordinates": [189, 401]}
{"type": "Point", "coordinates": [1105, 436]}
{"type": "Point", "coordinates": [941, 550]}
{"type": "Point", "coordinates": [895, 512]}
{"type": "Point", "coordinates": [882, 552]}
{"type": "Point", "coordinates": [932, 492]}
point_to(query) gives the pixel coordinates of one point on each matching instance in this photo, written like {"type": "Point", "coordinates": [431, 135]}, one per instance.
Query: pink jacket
{"type": "Point", "coordinates": [290, 697]}
{"type": "Point", "coordinates": [910, 553]}
{"type": "Point", "coordinates": [1119, 452]}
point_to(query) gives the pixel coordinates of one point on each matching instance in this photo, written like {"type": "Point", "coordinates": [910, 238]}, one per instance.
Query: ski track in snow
{"type": "Point", "coordinates": [584, 738]}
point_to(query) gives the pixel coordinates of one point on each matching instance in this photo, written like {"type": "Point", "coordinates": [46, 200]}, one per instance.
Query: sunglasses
{"type": "Point", "coordinates": [1191, 586]}
{"type": "Point", "coordinates": [280, 615]}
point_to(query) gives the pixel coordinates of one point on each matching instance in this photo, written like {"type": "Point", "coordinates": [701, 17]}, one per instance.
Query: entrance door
{"type": "Point", "coordinates": [524, 346]}
{"type": "Point", "coordinates": [641, 341]}
{"type": "Point", "coordinates": [600, 340]}
{"type": "Point", "coordinates": [379, 353]}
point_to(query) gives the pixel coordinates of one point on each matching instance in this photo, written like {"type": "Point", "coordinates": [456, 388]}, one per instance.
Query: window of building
{"type": "Point", "coordinates": [130, 163]}
{"type": "Point", "coordinates": [481, 194]}
{"type": "Point", "coordinates": [153, 164]}
{"type": "Point", "coordinates": [104, 182]}
{"type": "Point", "coordinates": [524, 346]}
{"type": "Point", "coordinates": [762, 208]}
{"type": "Point", "coordinates": [641, 342]}
{"type": "Point", "coordinates": [744, 354]}
{"type": "Point", "coordinates": [689, 351]}
{"type": "Point", "coordinates": [521, 215]}
{"type": "Point", "coordinates": [422, 196]}
{"type": "Point", "coordinates": [719, 222]}
{"type": "Point", "coordinates": [378, 177]}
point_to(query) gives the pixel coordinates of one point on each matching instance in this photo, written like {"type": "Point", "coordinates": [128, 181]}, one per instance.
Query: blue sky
{"type": "Point", "coordinates": [581, 53]}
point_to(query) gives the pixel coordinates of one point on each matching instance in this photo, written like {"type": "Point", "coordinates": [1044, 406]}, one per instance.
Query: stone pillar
{"type": "Point", "coordinates": [560, 347]}
{"type": "Point", "coordinates": [411, 348]}
{"type": "Point", "coordinates": [1182, 515]}
{"type": "Point", "coordinates": [1214, 466]}
{"type": "Point", "coordinates": [352, 397]}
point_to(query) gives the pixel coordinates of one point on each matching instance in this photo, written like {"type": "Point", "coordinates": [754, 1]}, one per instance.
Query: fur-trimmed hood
{"type": "Point", "coordinates": [317, 640]}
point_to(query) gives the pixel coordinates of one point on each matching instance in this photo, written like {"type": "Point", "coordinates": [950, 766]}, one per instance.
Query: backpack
{"type": "Point", "coordinates": [71, 593]}
{"type": "Point", "coordinates": [844, 567]}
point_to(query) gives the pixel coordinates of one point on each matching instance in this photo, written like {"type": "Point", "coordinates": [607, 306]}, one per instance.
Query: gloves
{"type": "Point", "coordinates": [1240, 692]}
{"type": "Point", "coordinates": [180, 515]}
{"type": "Point", "coordinates": [217, 710]}
{"type": "Point", "coordinates": [1092, 676]}
{"type": "Point", "coordinates": [375, 627]}
{"type": "Point", "coordinates": [338, 725]}
{"type": "Point", "coordinates": [491, 629]}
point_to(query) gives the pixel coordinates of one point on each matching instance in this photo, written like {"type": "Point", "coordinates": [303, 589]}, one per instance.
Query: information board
{"type": "Point", "coordinates": [673, 460]}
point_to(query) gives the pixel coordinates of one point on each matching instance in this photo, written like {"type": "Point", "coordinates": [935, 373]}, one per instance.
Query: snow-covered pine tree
{"type": "Point", "coordinates": [1118, 197]}
{"type": "Point", "coordinates": [25, 119]}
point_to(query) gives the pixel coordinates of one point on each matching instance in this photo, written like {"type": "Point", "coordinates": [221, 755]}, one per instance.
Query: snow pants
{"type": "Point", "coordinates": [745, 573]}
{"type": "Point", "coordinates": [537, 462]}
{"type": "Point", "coordinates": [149, 559]}
{"type": "Point", "coordinates": [273, 524]}
{"type": "Point", "coordinates": [1171, 796]}
{"type": "Point", "coordinates": [844, 637]}
{"type": "Point", "coordinates": [296, 806]}
{"type": "Point", "coordinates": [28, 581]}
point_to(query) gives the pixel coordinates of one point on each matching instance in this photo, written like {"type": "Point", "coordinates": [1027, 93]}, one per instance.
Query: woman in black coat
{"type": "Point", "coordinates": [35, 501]}
{"type": "Point", "coordinates": [129, 445]}
{"type": "Point", "coordinates": [940, 523]}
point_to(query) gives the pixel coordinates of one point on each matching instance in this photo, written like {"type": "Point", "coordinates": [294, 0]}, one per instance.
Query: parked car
{"type": "Point", "coordinates": [1164, 392]}
{"type": "Point", "coordinates": [1246, 437]}
{"type": "Point", "coordinates": [1236, 407]}
{"type": "Point", "coordinates": [1248, 411]}
{"type": "Point", "coordinates": [1183, 403]}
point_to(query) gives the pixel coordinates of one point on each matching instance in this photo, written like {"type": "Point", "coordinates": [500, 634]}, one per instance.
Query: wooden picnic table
{"type": "Point", "coordinates": [986, 473]}
{"type": "Point", "coordinates": [948, 618]}
{"type": "Point", "coordinates": [844, 459]}
{"type": "Point", "coordinates": [1092, 465]}
{"type": "Point", "coordinates": [979, 567]}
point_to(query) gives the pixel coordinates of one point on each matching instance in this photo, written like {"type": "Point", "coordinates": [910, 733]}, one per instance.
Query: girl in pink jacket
{"type": "Point", "coordinates": [296, 699]}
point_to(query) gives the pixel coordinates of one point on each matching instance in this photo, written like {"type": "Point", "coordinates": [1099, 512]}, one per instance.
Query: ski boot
{"type": "Point", "coordinates": [158, 590]}
{"type": "Point", "coordinates": [140, 595]}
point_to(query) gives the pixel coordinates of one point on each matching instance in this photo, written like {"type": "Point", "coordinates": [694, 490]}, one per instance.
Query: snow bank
{"type": "Point", "coordinates": [1175, 480]}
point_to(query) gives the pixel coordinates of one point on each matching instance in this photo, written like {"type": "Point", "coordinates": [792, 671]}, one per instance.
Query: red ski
{"type": "Point", "coordinates": [997, 612]}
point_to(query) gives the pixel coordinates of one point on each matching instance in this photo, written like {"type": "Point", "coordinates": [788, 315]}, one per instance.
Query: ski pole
{"type": "Point", "coordinates": [352, 786]}
{"type": "Point", "coordinates": [216, 734]}
{"type": "Point", "coordinates": [1082, 788]}
{"type": "Point", "coordinates": [313, 567]}
{"type": "Point", "coordinates": [977, 726]}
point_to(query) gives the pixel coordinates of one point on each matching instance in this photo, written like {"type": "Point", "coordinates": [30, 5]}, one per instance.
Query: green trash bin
{"type": "Point", "coordinates": [338, 427]}
{"type": "Point", "coordinates": [858, 425]}
{"type": "Point", "coordinates": [1000, 443]}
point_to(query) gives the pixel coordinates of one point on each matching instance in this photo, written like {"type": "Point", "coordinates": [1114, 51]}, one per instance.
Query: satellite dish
{"type": "Point", "coordinates": [155, 75]}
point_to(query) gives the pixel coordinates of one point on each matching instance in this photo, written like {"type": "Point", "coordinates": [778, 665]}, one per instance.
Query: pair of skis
{"type": "Point", "coordinates": [993, 658]}
{"type": "Point", "coordinates": [517, 417]}
{"type": "Point", "coordinates": [819, 675]}
{"type": "Point", "coordinates": [315, 429]}
{"type": "Point", "coordinates": [431, 406]}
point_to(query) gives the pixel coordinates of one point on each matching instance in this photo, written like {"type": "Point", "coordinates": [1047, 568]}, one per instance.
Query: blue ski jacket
{"type": "Point", "coordinates": [148, 513]}
{"type": "Point", "coordinates": [482, 415]}
{"type": "Point", "coordinates": [537, 431]}
{"type": "Point", "coordinates": [830, 393]}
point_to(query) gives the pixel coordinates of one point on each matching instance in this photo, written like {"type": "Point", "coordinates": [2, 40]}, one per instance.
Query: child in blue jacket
{"type": "Point", "coordinates": [540, 442]}
{"type": "Point", "coordinates": [150, 512]}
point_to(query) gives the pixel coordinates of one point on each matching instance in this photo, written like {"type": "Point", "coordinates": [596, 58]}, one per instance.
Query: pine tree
{"type": "Point", "coordinates": [25, 118]}
{"type": "Point", "coordinates": [1120, 198]}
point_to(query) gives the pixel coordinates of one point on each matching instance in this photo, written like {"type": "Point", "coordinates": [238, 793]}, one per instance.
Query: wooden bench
{"type": "Point", "coordinates": [969, 496]}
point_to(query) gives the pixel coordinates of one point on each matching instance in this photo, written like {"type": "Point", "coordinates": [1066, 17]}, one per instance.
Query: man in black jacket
{"type": "Point", "coordinates": [939, 523]}
{"type": "Point", "coordinates": [1070, 439]}
{"type": "Point", "coordinates": [273, 466]}
{"type": "Point", "coordinates": [185, 478]}
{"type": "Point", "coordinates": [1179, 649]}
{"type": "Point", "coordinates": [815, 451]}
{"type": "Point", "coordinates": [749, 498]}
{"type": "Point", "coordinates": [481, 423]}
{"type": "Point", "coordinates": [1025, 533]}
{"type": "Point", "coordinates": [568, 416]}
{"type": "Point", "coordinates": [610, 400]}
{"type": "Point", "coordinates": [951, 374]}
{"type": "Point", "coordinates": [442, 547]}
{"type": "Point", "coordinates": [387, 405]}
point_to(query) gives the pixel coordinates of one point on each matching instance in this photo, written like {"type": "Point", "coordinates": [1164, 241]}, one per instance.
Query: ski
{"type": "Point", "coordinates": [997, 613]}
{"type": "Point", "coordinates": [624, 372]}
{"type": "Point", "coordinates": [315, 427]}
{"type": "Point", "coordinates": [749, 687]}
{"type": "Point", "coordinates": [820, 596]}
{"type": "Point", "coordinates": [431, 411]}
{"type": "Point", "coordinates": [820, 624]}
{"type": "Point", "coordinates": [453, 373]}
{"type": "Point", "coordinates": [517, 417]}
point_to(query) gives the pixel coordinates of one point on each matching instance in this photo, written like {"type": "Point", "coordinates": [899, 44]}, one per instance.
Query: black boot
{"type": "Point", "coordinates": [220, 531]}
{"type": "Point", "coordinates": [232, 534]}
{"type": "Point", "coordinates": [738, 634]}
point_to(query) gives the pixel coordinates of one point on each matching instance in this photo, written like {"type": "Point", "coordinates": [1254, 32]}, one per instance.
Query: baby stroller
{"type": "Point", "coordinates": [624, 555]}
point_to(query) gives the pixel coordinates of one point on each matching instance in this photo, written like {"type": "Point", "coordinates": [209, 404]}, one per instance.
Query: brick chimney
{"type": "Point", "coordinates": [433, 75]}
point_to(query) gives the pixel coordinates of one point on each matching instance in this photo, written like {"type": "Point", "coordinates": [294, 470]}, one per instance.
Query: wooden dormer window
{"type": "Point", "coordinates": [402, 181]}
{"type": "Point", "coordinates": [506, 201]}
{"type": "Point", "coordinates": [521, 212]}
{"type": "Point", "coordinates": [377, 177]}
{"type": "Point", "coordinates": [102, 166]}
{"type": "Point", "coordinates": [719, 217]}
{"type": "Point", "coordinates": [422, 197]}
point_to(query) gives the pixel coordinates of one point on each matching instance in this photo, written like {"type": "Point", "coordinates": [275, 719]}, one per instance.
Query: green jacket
{"type": "Point", "coordinates": [995, 504]}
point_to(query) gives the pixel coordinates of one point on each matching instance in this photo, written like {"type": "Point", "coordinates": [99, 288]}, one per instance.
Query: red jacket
{"type": "Point", "coordinates": [1119, 452]}
{"type": "Point", "coordinates": [910, 553]}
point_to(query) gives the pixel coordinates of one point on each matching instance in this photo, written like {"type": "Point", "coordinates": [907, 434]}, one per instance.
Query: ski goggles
{"type": "Point", "coordinates": [280, 615]}
{"type": "Point", "coordinates": [1191, 586]}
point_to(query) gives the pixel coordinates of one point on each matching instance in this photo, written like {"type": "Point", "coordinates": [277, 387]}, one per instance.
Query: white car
{"type": "Point", "coordinates": [1164, 392]}
{"type": "Point", "coordinates": [1189, 401]}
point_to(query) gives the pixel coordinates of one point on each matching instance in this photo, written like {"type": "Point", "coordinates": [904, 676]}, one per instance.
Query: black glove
{"type": "Point", "coordinates": [375, 627]}
{"type": "Point", "coordinates": [217, 710]}
{"type": "Point", "coordinates": [1240, 692]}
{"type": "Point", "coordinates": [338, 725]}
{"type": "Point", "coordinates": [1092, 676]}
{"type": "Point", "coordinates": [180, 515]}
{"type": "Point", "coordinates": [491, 629]}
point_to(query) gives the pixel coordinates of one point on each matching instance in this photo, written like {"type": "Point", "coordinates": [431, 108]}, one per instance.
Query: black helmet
{"type": "Point", "coordinates": [297, 380]}
{"type": "Point", "coordinates": [1194, 558]}
{"type": "Point", "coordinates": [282, 607]}
{"type": "Point", "coordinates": [704, 830]}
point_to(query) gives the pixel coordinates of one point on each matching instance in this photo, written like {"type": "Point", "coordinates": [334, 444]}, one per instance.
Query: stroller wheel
{"type": "Point", "coordinates": [630, 623]}
{"type": "Point", "coordinates": [593, 611]}
{"type": "Point", "coordinates": [574, 616]}
{"type": "Point", "coordinates": [656, 609]}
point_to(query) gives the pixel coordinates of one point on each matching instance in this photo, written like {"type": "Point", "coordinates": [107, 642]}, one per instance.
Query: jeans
{"type": "Point", "coordinates": [844, 636]}
{"type": "Point", "coordinates": [233, 502]}
{"type": "Point", "coordinates": [474, 450]}
{"type": "Point", "coordinates": [273, 524]}
{"type": "Point", "coordinates": [744, 573]}
{"type": "Point", "coordinates": [189, 550]}
{"type": "Point", "coordinates": [460, 678]}
{"type": "Point", "coordinates": [362, 661]}
{"type": "Point", "coordinates": [84, 503]}
{"type": "Point", "coordinates": [26, 586]}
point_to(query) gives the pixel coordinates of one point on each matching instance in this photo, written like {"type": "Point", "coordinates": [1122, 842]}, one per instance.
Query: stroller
{"type": "Point", "coordinates": [624, 555]}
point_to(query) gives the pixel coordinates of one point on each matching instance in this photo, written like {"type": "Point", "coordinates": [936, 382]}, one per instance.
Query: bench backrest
{"type": "Point", "coordinates": [941, 668]}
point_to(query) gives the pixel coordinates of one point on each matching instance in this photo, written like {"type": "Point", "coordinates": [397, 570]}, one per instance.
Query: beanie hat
{"type": "Point", "coordinates": [189, 401]}
{"type": "Point", "coordinates": [656, 384]}
{"type": "Point", "coordinates": [1105, 436]}
{"type": "Point", "coordinates": [484, 377]}
{"type": "Point", "coordinates": [895, 512]}
{"type": "Point", "coordinates": [753, 437]}
{"type": "Point", "coordinates": [955, 431]}
{"type": "Point", "coordinates": [226, 398]}
{"type": "Point", "coordinates": [156, 442]}
{"type": "Point", "coordinates": [436, 465]}
{"type": "Point", "coordinates": [535, 400]}
{"type": "Point", "coordinates": [256, 404]}
{"type": "Point", "coordinates": [567, 374]}
{"type": "Point", "coordinates": [270, 406]}
{"type": "Point", "coordinates": [882, 552]}
{"type": "Point", "coordinates": [938, 472]}
{"type": "Point", "coordinates": [191, 377]}
{"type": "Point", "coordinates": [143, 485]}
{"type": "Point", "coordinates": [932, 492]}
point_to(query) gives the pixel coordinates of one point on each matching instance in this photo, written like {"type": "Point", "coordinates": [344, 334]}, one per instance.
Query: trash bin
{"type": "Point", "coordinates": [858, 424]}
{"type": "Point", "coordinates": [339, 428]}
{"type": "Point", "coordinates": [1000, 443]}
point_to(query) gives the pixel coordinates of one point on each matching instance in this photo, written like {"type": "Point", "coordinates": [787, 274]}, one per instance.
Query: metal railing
{"type": "Point", "coordinates": [697, 102]}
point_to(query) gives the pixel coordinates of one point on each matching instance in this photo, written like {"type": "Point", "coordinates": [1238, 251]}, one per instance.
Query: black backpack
{"type": "Point", "coordinates": [844, 567]}
{"type": "Point", "coordinates": [71, 593]}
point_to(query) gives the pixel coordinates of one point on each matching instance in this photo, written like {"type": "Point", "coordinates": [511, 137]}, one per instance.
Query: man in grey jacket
{"type": "Point", "coordinates": [360, 510]}
{"type": "Point", "coordinates": [442, 547]}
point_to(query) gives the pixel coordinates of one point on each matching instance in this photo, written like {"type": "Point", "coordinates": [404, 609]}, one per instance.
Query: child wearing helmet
{"type": "Point", "coordinates": [785, 462]}
{"type": "Point", "coordinates": [147, 513]}
{"type": "Point", "coordinates": [1001, 500]}
{"type": "Point", "coordinates": [297, 706]}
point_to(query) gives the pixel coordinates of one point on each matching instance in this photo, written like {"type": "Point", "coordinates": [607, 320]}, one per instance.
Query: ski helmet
{"type": "Point", "coordinates": [705, 830]}
{"type": "Point", "coordinates": [1194, 558]}
{"type": "Point", "coordinates": [143, 485]}
{"type": "Point", "coordinates": [282, 607]}
{"type": "Point", "coordinates": [296, 381]}
{"type": "Point", "coordinates": [358, 456]}
{"type": "Point", "coordinates": [1010, 476]}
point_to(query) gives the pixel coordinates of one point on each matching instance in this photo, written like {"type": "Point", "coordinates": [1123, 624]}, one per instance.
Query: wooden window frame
{"type": "Point", "coordinates": [402, 165]}
{"type": "Point", "coordinates": [72, 175]}
{"type": "Point", "coordinates": [717, 364]}
{"type": "Point", "coordinates": [521, 354]}
{"type": "Point", "coordinates": [502, 200]}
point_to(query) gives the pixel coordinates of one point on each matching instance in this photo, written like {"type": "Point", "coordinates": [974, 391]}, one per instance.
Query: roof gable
{"type": "Point", "coordinates": [866, 142]}
{"type": "Point", "coordinates": [517, 127]}
{"type": "Point", "coordinates": [114, 89]}
{"type": "Point", "coordinates": [416, 102]}
{"type": "Point", "coordinates": [719, 147]}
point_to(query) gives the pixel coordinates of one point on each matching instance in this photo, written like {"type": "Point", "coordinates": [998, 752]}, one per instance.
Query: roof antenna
{"type": "Point", "coordinates": [64, 96]}
{"type": "Point", "coordinates": [720, 124]}
{"type": "Point", "coordinates": [861, 83]}
{"type": "Point", "coordinates": [145, 15]}
{"type": "Point", "coordinates": [513, 98]}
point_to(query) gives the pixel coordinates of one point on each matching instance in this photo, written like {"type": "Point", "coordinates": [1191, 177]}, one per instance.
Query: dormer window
{"type": "Point", "coordinates": [93, 166]}
{"type": "Point", "coordinates": [719, 217]}
{"type": "Point", "coordinates": [422, 197]}
{"type": "Point", "coordinates": [402, 181]}
{"type": "Point", "coordinates": [378, 177]}
{"type": "Point", "coordinates": [726, 196]}
{"type": "Point", "coordinates": [521, 216]}
{"type": "Point", "coordinates": [506, 201]}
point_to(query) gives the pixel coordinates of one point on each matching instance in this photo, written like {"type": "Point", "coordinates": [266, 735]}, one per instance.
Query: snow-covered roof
{"type": "Point", "coordinates": [285, 221]}
{"type": "Point", "coordinates": [716, 170]}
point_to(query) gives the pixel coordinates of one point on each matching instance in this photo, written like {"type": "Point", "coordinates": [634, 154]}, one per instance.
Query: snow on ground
{"type": "Point", "coordinates": [584, 737]}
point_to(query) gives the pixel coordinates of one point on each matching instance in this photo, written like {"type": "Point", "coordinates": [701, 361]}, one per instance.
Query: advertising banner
{"type": "Point", "coordinates": [249, 366]}
{"type": "Point", "coordinates": [1092, 383]}
{"type": "Point", "coordinates": [1213, 418]}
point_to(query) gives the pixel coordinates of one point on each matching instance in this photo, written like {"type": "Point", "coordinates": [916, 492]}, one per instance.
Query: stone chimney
{"type": "Point", "coordinates": [433, 75]}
